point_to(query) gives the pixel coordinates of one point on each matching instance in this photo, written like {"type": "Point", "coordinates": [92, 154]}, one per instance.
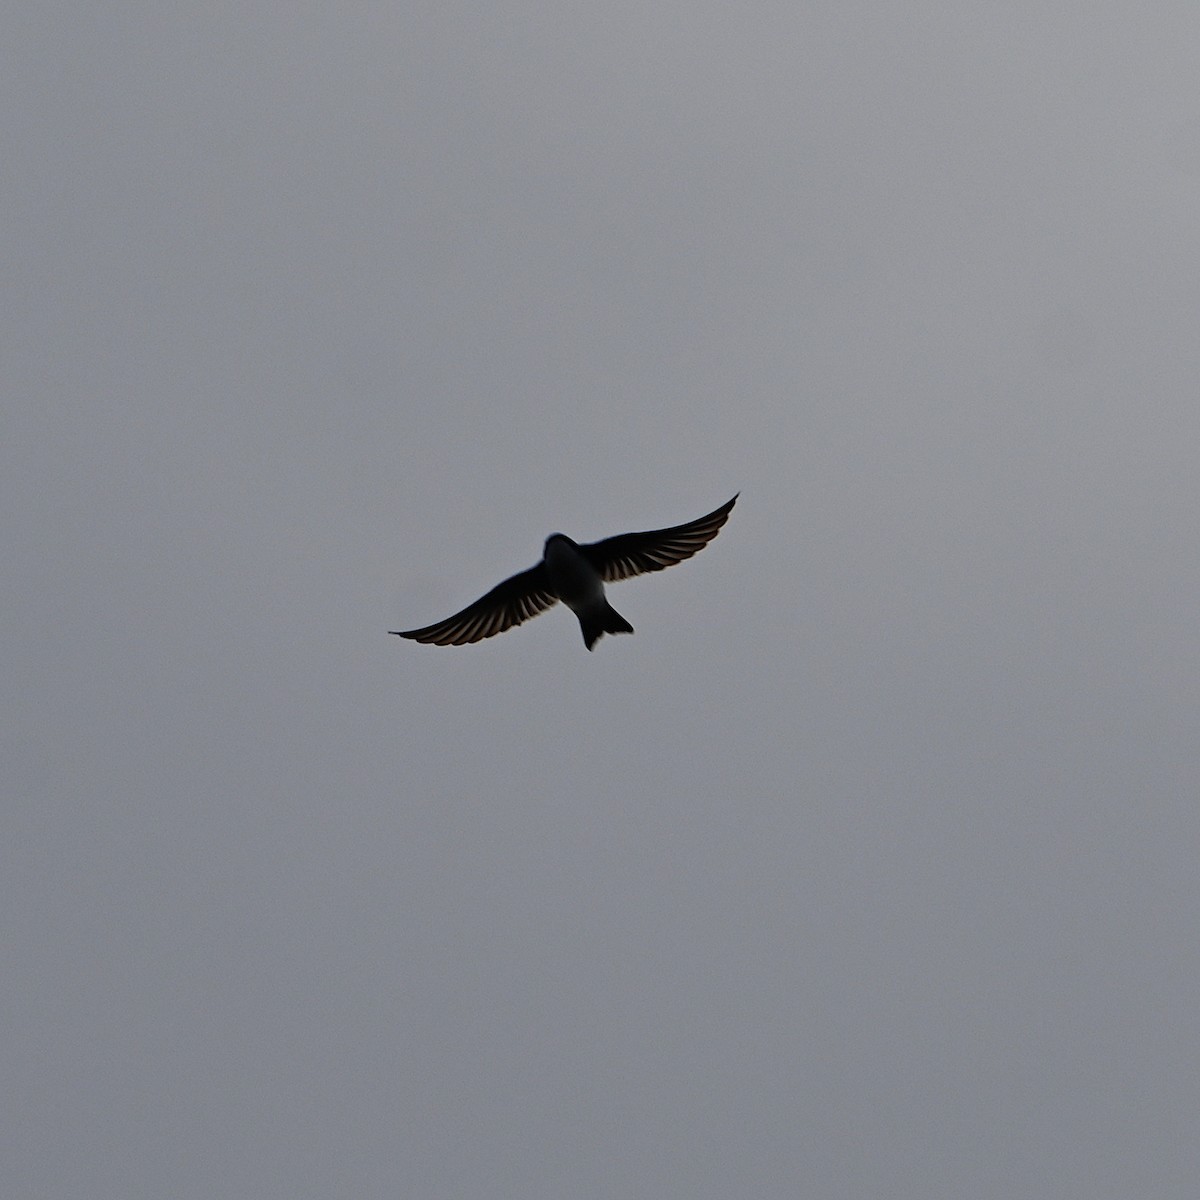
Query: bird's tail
{"type": "Point", "coordinates": [601, 620]}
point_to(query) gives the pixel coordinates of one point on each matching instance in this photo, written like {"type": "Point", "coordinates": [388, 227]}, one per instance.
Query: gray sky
{"type": "Point", "coordinates": [868, 868]}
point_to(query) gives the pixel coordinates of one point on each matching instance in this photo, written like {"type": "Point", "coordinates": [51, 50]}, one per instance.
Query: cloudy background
{"type": "Point", "coordinates": [868, 868]}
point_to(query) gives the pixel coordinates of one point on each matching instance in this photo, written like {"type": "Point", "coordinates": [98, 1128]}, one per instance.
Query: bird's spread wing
{"type": "Point", "coordinates": [630, 554]}
{"type": "Point", "coordinates": [507, 604]}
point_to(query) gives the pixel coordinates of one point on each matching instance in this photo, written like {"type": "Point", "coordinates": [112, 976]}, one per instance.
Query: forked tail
{"type": "Point", "coordinates": [601, 620]}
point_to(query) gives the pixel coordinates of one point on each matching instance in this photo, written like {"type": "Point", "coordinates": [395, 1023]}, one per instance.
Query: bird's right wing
{"type": "Point", "coordinates": [507, 604]}
{"type": "Point", "coordinates": [630, 554]}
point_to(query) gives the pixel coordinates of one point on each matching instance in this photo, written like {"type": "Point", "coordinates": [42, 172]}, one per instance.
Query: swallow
{"type": "Point", "coordinates": [576, 575]}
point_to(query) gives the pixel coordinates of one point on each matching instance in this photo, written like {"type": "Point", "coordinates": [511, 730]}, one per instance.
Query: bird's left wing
{"type": "Point", "coordinates": [507, 604]}
{"type": "Point", "coordinates": [630, 554]}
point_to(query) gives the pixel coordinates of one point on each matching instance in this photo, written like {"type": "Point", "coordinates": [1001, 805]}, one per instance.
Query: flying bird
{"type": "Point", "coordinates": [576, 575]}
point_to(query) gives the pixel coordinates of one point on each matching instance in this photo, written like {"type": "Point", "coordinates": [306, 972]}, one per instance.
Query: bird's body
{"type": "Point", "coordinates": [576, 582]}
{"type": "Point", "coordinates": [578, 585]}
{"type": "Point", "coordinates": [576, 575]}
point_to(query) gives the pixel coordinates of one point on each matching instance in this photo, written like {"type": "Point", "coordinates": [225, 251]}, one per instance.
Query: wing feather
{"type": "Point", "coordinates": [630, 554]}
{"type": "Point", "coordinates": [509, 603]}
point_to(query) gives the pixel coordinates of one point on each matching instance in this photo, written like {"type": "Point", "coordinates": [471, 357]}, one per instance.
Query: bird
{"type": "Point", "coordinates": [576, 575]}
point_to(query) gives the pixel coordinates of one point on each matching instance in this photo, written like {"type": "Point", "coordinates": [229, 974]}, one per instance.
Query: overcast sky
{"type": "Point", "coordinates": [867, 868]}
